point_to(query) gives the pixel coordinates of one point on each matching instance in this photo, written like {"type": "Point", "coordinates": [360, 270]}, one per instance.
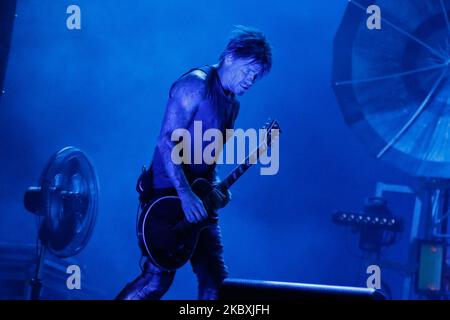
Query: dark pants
{"type": "Point", "coordinates": [207, 263]}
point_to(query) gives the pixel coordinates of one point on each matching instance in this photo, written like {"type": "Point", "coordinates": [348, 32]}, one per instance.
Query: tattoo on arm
{"type": "Point", "coordinates": [181, 107]}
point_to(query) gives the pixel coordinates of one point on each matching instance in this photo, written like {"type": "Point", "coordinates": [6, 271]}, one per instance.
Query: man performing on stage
{"type": "Point", "coordinates": [206, 94]}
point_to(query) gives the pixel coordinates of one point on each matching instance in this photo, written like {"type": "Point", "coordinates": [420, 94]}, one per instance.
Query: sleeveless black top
{"type": "Point", "coordinates": [217, 110]}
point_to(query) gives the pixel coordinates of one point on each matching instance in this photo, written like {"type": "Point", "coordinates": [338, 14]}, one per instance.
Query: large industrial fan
{"type": "Point", "coordinates": [393, 86]}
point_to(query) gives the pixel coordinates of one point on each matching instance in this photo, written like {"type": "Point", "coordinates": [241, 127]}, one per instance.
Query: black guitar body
{"type": "Point", "coordinates": [165, 235]}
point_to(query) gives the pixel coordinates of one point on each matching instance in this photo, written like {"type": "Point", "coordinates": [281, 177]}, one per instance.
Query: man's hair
{"type": "Point", "coordinates": [248, 42]}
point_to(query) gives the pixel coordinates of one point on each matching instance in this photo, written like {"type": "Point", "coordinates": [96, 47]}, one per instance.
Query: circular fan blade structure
{"type": "Point", "coordinates": [393, 83]}
{"type": "Point", "coordinates": [69, 197]}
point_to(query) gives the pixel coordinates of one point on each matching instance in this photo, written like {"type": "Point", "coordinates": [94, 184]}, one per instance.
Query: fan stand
{"type": "Point", "coordinates": [36, 282]}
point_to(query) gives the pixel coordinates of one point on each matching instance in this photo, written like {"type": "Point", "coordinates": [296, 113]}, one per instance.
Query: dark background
{"type": "Point", "coordinates": [103, 89]}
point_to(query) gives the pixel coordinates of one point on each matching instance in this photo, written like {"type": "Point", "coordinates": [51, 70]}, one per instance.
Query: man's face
{"type": "Point", "coordinates": [241, 74]}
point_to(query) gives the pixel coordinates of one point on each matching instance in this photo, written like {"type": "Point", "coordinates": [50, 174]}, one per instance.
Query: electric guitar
{"type": "Point", "coordinates": [167, 237]}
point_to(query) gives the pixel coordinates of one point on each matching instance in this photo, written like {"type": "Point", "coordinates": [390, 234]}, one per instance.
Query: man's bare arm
{"type": "Point", "coordinates": [181, 107]}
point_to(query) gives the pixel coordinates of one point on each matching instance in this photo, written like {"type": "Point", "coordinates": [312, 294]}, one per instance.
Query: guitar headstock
{"type": "Point", "coordinates": [273, 130]}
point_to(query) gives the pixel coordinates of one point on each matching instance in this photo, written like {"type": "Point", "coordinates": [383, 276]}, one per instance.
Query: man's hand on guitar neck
{"type": "Point", "coordinates": [219, 198]}
{"type": "Point", "coordinates": [193, 207]}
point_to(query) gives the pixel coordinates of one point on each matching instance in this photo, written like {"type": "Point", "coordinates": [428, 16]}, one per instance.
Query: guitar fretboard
{"type": "Point", "coordinates": [243, 167]}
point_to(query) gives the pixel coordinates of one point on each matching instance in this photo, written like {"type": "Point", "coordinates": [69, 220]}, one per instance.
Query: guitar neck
{"type": "Point", "coordinates": [243, 167]}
